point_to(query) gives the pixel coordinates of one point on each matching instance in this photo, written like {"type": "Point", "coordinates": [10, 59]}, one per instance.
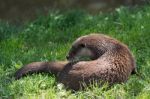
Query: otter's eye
{"type": "Point", "coordinates": [82, 45]}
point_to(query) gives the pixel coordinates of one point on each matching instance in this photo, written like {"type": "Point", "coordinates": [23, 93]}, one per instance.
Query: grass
{"type": "Point", "coordinates": [49, 38]}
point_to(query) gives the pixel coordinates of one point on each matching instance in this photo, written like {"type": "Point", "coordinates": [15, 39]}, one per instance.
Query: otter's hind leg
{"type": "Point", "coordinates": [37, 67]}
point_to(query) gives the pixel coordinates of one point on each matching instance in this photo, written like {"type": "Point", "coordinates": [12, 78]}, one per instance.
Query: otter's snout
{"type": "Point", "coordinates": [67, 57]}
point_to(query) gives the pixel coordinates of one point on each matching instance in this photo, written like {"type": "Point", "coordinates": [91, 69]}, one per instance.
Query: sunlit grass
{"type": "Point", "coordinates": [49, 38]}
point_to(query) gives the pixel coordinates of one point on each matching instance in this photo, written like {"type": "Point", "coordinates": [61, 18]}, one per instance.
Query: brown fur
{"type": "Point", "coordinates": [37, 67]}
{"type": "Point", "coordinates": [111, 62]}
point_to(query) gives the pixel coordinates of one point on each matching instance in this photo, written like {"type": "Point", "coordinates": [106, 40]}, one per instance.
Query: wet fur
{"type": "Point", "coordinates": [111, 61]}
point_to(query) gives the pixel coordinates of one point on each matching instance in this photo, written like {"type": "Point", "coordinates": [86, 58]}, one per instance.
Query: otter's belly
{"type": "Point", "coordinates": [78, 75]}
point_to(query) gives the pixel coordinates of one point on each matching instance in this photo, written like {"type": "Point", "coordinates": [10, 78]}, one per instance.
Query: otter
{"type": "Point", "coordinates": [110, 61]}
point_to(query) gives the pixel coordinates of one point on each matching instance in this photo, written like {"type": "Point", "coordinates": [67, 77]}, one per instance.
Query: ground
{"type": "Point", "coordinates": [49, 38]}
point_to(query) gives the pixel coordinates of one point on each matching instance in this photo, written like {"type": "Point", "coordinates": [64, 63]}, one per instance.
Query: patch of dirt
{"type": "Point", "coordinates": [19, 11]}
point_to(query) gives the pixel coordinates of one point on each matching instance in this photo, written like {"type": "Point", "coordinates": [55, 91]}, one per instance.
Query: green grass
{"type": "Point", "coordinates": [49, 38]}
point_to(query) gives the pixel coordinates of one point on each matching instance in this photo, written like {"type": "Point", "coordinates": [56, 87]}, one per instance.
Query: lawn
{"type": "Point", "coordinates": [50, 37]}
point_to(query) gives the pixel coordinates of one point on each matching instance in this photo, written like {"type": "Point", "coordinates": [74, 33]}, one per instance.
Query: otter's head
{"type": "Point", "coordinates": [85, 48]}
{"type": "Point", "coordinates": [80, 52]}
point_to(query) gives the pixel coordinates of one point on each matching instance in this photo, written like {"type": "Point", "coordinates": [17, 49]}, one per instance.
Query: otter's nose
{"type": "Point", "coordinates": [67, 57]}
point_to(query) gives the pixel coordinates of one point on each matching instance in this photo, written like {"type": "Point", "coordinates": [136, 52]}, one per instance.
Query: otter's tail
{"type": "Point", "coordinates": [37, 67]}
